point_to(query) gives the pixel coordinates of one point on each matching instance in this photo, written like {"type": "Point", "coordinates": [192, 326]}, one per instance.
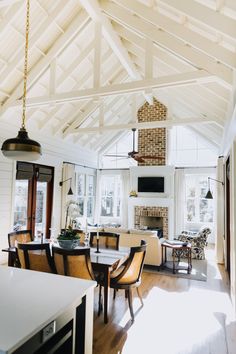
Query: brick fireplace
{"type": "Point", "coordinates": [152, 211]}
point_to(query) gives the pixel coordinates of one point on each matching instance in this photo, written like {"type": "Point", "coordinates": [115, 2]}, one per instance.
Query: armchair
{"type": "Point", "coordinates": [198, 241]}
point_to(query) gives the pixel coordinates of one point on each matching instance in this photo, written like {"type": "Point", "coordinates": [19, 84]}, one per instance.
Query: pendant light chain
{"type": "Point", "coordinates": [26, 63]}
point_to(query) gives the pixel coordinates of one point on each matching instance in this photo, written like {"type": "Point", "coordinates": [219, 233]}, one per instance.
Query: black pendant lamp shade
{"type": "Point", "coordinates": [21, 147]}
{"type": "Point", "coordinates": [209, 195]}
{"type": "Point", "coordinates": [70, 192]}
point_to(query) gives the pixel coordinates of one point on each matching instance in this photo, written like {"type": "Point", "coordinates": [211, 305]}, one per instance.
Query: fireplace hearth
{"type": "Point", "coordinates": [152, 218]}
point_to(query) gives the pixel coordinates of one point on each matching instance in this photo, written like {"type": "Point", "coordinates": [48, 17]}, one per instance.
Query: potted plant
{"type": "Point", "coordinates": [69, 238]}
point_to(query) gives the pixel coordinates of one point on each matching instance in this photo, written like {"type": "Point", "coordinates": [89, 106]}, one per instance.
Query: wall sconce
{"type": "Point", "coordinates": [70, 192]}
{"type": "Point", "coordinates": [209, 194]}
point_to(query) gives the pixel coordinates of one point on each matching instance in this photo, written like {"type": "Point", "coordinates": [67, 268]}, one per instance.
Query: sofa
{"type": "Point", "coordinates": [133, 237]}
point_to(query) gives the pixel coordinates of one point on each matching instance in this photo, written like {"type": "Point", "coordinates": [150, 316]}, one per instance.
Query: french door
{"type": "Point", "coordinates": [33, 198]}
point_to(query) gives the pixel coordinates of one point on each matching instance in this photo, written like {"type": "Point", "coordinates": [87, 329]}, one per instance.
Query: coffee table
{"type": "Point", "coordinates": [177, 248]}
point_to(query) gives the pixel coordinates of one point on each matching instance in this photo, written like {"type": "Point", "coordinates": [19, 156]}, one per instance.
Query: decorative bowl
{"type": "Point", "coordinates": [68, 244]}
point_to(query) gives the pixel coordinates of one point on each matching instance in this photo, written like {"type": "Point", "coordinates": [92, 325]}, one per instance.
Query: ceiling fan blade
{"type": "Point", "coordinates": [111, 155]}
{"type": "Point", "coordinates": [138, 158]}
{"type": "Point", "coordinates": [120, 158]}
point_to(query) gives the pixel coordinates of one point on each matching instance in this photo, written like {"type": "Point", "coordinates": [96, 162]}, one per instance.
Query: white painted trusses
{"type": "Point", "coordinates": [88, 59]}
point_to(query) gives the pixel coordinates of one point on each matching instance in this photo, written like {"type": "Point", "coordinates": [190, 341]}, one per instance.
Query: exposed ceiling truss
{"type": "Point", "coordinates": [79, 83]}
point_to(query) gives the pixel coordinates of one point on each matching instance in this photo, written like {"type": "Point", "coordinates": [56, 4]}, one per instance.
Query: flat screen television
{"type": "Point", "coordinates": [151, 184]}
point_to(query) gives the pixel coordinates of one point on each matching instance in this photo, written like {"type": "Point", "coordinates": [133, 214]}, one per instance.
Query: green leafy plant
{"type": "Point", "coordinates": [69, 234]}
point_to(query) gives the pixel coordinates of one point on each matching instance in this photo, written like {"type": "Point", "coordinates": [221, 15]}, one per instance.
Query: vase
{"type": "Point", "coordinates": [68, 244]}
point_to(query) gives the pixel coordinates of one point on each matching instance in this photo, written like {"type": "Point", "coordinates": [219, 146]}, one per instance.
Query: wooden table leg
{"type": "Point", "coordinates": [173, 256]}
{"type": "Point", "coordinates": [106, 293]}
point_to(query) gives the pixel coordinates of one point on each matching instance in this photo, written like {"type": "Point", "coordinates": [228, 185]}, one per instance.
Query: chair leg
{"type": "Point", "coordinates": [100, 300]}
{"type": "Point", "coordinates": [129, 292]}
{"type": "Point", "coordinates": [139, 295]}
{"type": "Point", "coordinates": [114, 294]}
{"type": "Point", "coordinates": [126, 294]}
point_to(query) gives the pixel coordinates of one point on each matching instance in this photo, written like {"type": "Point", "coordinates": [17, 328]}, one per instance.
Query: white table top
{"type": "Point", "coordinates": [29, 300]}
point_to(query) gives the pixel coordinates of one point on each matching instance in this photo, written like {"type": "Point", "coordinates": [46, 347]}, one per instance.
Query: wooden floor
{"type": "Point", "coordinates": [179, 316]}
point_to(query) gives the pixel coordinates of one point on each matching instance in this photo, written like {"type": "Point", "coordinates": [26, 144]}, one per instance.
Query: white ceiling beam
{"type": "Point", "coordinates": [73, 29]}
{"type": "Point", "coordinates": [4, 3]}
{"type": "Point", "coordinates": [175, 63]}
{"type": "Point", "coordinates": [120, 89]}
{"type": "Point", "coordinates": [170, 43]}
{"type": "Point", "coordinates": [66, 122]}
{"type": "Point", "coordinates": [101, 115]}
{"type": "Point", "coordinates": [172, 62]}
{"type": "Point", "coordinates": [97, 54]}
{"type": "Point", "coordinates": [144, 125]}
{"type": "Point", "coordinates": [231, 4]}
{"type": "Point", "coordinates": [215, 20]}
{"type": "Point", "coordinates": [93, 9]}
{"type": "Point", "coordinates": [200, 92]}
{"type": "Point", "coordinates": [180, 31]}
{"type": "Point", "coordinates": [82, 117]}
{"type": "Point", "coordinates": [19, 53]}
{"type": "Point", "coordinates": [149, 65]}
{"type": "Point", "coordinates": [10, 16]}
{"type": "Point", "coordinates": [52, 77]}
{"type": "Point", "coordinates": [64, 76]}
{"type": "Point", "coordinates": [112, 116]}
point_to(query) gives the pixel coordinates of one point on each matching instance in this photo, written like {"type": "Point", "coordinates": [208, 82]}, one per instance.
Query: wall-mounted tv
{"type": "Point", "coordinates": [151, 184]}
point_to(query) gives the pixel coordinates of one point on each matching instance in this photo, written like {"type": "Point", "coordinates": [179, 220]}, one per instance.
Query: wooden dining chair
{"type": "Point", "coordinates": [129, 276]}
{"type": "Point", "coordinates": [73, 262]}
{"type": "Point", "coordinates": [106, 240]}
{"type": "Point", "coordinates": [22, 236]}
{"type": "Point", "coordinates": [36, 257]}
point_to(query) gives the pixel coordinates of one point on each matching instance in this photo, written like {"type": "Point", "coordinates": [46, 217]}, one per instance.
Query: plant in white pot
{"type": "Point", "coordinates": [69, 238]}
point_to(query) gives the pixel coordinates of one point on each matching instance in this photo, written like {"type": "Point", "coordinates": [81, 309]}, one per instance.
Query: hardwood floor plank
{"type": "Point", "coordinates": [179, 316]}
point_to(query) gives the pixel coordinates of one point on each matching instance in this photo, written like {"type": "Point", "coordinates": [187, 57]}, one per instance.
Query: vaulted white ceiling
{"type": "Point", "coordinates": [93, 63]}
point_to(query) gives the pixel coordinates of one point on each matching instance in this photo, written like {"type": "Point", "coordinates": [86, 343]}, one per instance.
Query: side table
{"type": "Point", "coordinates": [177, 248]}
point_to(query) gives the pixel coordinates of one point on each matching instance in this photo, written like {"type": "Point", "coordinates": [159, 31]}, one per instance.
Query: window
{"type": "Point", "coordinates": [86, 194]}
{"type": "Point", "coordinates": [111, 196]}
{"type": "Point", "coordinates": [198, 208]}
{"type": "Point", "coordinates": [81, 192]}
{"type": "Point", "coordinates": [91, 195]}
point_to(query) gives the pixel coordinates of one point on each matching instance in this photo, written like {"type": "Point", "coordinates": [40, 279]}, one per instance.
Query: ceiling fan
{"type": "Point", "coordinates": [134, 154]}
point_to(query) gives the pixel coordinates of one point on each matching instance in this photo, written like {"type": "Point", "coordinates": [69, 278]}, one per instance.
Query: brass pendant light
{"type": "Point", "coordinates": [22, 147]}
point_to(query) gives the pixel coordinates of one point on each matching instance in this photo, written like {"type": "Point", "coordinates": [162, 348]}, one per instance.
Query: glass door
{"type": "Point", "coordinates": [33, 198]}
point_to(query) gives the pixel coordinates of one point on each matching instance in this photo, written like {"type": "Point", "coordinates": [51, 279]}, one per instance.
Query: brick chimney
{"type": "Point", "coordinates": [152, 141]}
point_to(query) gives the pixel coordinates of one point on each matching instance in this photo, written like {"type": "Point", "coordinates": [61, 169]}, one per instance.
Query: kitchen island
{"type": "Point", "coordinates": [42, 313]}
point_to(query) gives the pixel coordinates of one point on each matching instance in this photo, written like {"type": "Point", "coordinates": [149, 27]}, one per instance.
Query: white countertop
{"type": "Point", "coordinates": [29, 300]}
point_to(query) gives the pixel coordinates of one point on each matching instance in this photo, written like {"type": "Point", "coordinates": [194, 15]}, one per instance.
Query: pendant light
{"type": "Point", "coordinates": [22, 147]}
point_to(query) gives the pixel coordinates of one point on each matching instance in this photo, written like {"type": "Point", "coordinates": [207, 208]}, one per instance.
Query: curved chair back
{"type": "Point", "coordinates": [36, 257]}
{"type": "Point", "coordinates": [74, 262]}
{"type": "Point", "coordinates": [131, 274]}
{"type": "Point", "coordinates": [22, 236]}
{"type": "Point", "coordinates": [106, 240]}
